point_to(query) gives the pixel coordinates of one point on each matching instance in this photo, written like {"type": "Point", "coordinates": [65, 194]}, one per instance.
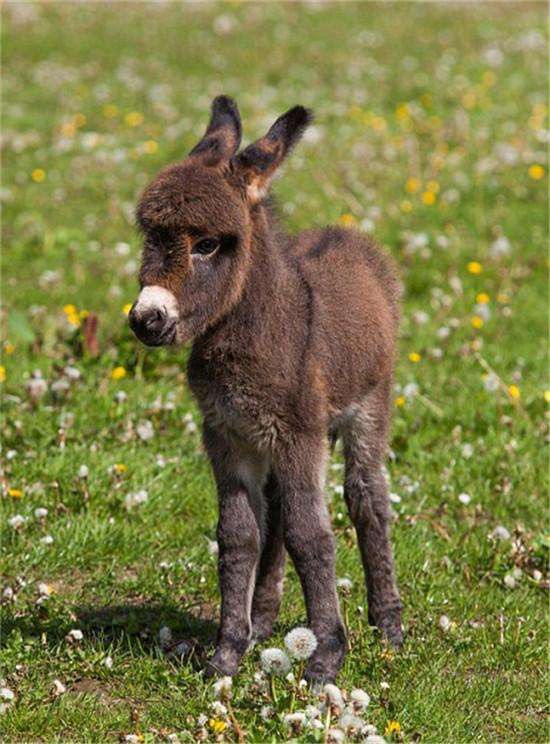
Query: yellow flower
{"type": "Point", "coordinates": [68, 129]}
{"type": "Point", "coordinates": [547, 396]}
{"type": "Point", "coordinates": [118, 373]}
{"type": "Point", "coordinates": [9, 348]}
{"type": "Point", "coordinates": [69, 309]}
{"type": "Point", "coordinates": [79, 120]}
{"type": "Point", "coordinates": [482, 298]}
{"type": "Point", "coordinates": [489, 78]}
{"type": "Point", "coordinates": [127, 307]}
{"type": "Point", "coordinates": [413, 184]}
{"type": "Point", "coordinates": [402, 112]}
{"type": "Point", "coordinates": [428, 197]}
{"type": "Point", "coordinates": [120, 467]}
{"type": "Point", "coordinates": [134, 119]}
{"type": "Point", "coordinates": [536, 172]}
{"type": "Point", "coordinates": [474, 267]}
{"type": "Point", "coordinates": [217, 725]}
{"type": "Point", "coordinates": [110, 111]}
{"type": "Point", "coordinates": [150, 147]}
{"type": "Point", "coordinates": [38, 175]}
{"type": "Point", "coordinates": [83, 314]}
{"type": "Point", "coordinates": [414, 357]}
{"type": "Point", "coordinates": [348, 220]}
{"type": "Point", "coordinates": [400, 401]}
{"type": "Point", "coordinates": [432, 186]}
{"type": "Point", "coordinates": [2, 373]}
{"type": "Point", "coordinates": [393, 727]}
{"type": "Point", "coordinates": [514, 392]}
{"type": "Point", "coordinates": [406, 205]}
{"type": "Point", "coordinates": [73, 319]}
{"type": "Point", "coordinates": [15, 493]}
{"type": "Point", "coordinates": [477, 321]}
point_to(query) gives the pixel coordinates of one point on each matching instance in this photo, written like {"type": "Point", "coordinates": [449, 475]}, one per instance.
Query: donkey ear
{"type": "Point", "coordinates": [258, 162]}
{"type": "Point", "coordinates": [223, 134]}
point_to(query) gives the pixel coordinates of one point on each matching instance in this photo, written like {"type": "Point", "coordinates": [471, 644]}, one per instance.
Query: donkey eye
{"type": "Point", "coordinates": [206, 246]}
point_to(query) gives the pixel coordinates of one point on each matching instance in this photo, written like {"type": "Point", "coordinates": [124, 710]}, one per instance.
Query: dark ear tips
{"type": "Point", "coordinates": [223, 134]}
{"type": "Point", "coordinates": [224, 107]}
{"type": "Point", "coordinates": [290, 126]}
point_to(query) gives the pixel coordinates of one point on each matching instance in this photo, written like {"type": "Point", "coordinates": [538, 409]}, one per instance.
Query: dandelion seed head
{"type": "Point", "coordinates": [275, 661]}
{"type": "Point", "coordinates": [300, 643]}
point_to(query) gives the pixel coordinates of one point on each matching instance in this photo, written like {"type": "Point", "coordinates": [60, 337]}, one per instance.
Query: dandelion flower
{"type": "Point", "coordinates": [118, 373]}
{"type": "Point", "coordinates": [347, 220]}
{"type": "Point", "coordinates": [500, 533]}
{"type": "Point", "coordinates": [222, 688]}
{"type": "Point", "coordinates": [133, 119]}
{"type": "Point", "coordinates": [75, 635]}
{"type": "Point", "coordinates": [126, 308]}
{"type": "Point", "coordinates": [15, 493]}
{"type": "Point", "coordinates": [414, 357]}
{"type": "Point", "coordinates": [477, 322]}
{"type": "Point", "coordinates": [295, 721]}
{"type": "Point", "coordinates": [334, 696]}
{"type": "Point", "coordinates": [412, 185]}
{"type": "Point", "coordinates": [359, 699]}
{"type": "Point", "coordinates": [350, 723]}
{"type": "Point", "coordinates": [38, 175]}
{"type": "Point", "coordinates": [474, 267]}
{"type": "Point", "coordinates": [18, 520]}
{"type": "Point", "coordinates": [536, 172]}
{"type": "Point", "coordinates": [275, 661]}
{"type": "Point", "coordinates": [217, 725]}
{"type": "Point", "coordinates": [514, 392]}
{"type": "Point", "coordinates": [428, 198]}
{"type": "Point", "coordinates": [393, 727]}
{"type": "Point", "coordinates": [41, 512]}
{"type": "Point", "coordinates": [335, 736]}
{"type": "Point", "coordinates": [300, 643]}
{"type": "Point", "coordinates": [2, 373]}
{"type": "Point", "coordinates": [400, 401]}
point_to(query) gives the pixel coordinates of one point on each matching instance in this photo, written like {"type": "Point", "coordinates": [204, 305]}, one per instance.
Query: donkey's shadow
{"type": "Point", "coordinates": [136, 626]}
{"type": "Point", "coordinates": [133, 626]}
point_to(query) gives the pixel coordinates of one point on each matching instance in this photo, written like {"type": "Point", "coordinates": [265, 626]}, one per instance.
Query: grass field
{"type": "Point", "coordinates": [431, 135]}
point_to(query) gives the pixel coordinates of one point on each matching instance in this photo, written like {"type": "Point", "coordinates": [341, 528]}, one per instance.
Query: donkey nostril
{"type": "Point", "coordinates": [154, 319]}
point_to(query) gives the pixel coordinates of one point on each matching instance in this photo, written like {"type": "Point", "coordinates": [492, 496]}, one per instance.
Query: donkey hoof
{"type": "Point", "coordinates": [220, 665]}
{"type": "Point", "coordinates": [390, 626]}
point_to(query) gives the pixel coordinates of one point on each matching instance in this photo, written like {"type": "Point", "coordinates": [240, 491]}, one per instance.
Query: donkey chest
{"type": "Point", "coordinates": [242, 411]}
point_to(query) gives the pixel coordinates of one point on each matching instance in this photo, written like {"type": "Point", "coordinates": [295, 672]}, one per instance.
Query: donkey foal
{"type": "Point", "coordinates": [293, 343]}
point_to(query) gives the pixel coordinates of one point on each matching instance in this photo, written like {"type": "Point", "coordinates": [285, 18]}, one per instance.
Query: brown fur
{"type": "Point", "coordinates": [293, 341]}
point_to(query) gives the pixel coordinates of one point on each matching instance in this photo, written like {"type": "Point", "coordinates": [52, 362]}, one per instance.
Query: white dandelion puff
{"type": "Point", "coordinates": [335, 736]}
{"type": "Point", "coordinates": [222, 688]}
{"type": "Point", "coordinates": [275, 661]}
{"type": "Point", "coordinates": [334, 696]}
{"type": "Point", "coordinates": [351, 723]}
{"type": "Point", "coordinates": [295, 721]}
{"type": "Point", "coordinates": [301, 643]}
{"type": "Point", "coordinates": [359, 699]}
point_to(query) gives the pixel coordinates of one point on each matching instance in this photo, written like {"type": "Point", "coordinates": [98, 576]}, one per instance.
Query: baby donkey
{"type": "Point", "coordinates": [293, 346]}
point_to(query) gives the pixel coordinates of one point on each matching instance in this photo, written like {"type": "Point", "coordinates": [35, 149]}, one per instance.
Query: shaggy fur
{"type": "Point", "coordinates": [293, 343]}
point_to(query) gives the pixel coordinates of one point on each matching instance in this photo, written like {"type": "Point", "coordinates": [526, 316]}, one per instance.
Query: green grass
{"type": "Point", "coordinates": [472, 79]}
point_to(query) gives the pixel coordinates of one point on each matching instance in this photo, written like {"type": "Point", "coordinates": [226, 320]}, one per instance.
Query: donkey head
{"type": "Point", "coordinates": [196, 219]}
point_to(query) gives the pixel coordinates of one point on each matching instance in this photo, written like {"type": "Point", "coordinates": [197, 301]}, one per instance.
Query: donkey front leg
{"type": "Point", "coordinates": [310, 543]}
{"type": "Point", "coordinates": [239, 540]}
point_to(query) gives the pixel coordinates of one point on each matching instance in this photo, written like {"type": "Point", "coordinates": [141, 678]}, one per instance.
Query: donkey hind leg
{"type": "Point", "coordinates": [269, 582]}
{"type": "Point", "coordinates": [366, 494]}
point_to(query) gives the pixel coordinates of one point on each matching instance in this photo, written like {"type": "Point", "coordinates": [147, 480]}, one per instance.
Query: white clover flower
{"type": "Point", "coordinates": [301, 643]}
{"type": "Point", "coordinates": [509, 581]}
{"type": "Point", "coordinates": [222, 688]}
{"type": "Point", "coordinates": [46, 540]}
{"type": "Point", "coordinates": [75, 635]}
{"type": "Point", "coordinates": [83, 472]}
{"type": "Point", "coordinates": [464, 498]}
{"type": "Point", "coordinates": [295, 721]}
{"type": "Point", "coordinates": [491, 383]}
{"type": "Point", "coordinates": [467, 451]}
{"type": "Point", "coordinates": [500, 533]}
{"type": "Point", "coordinates": [165, 636]}
{"type": "Point", "coordinates": [41, 512]}
{"type": "Point", "coordinates": [334, 696]}
{"type": "Point", "coordinates": [359, 699]}
{"type": "Point", "coordinates": [18, 520]}
{"type": "Point", "coordinates": [275, 661]}
{"type": "Point", "coordinates": [202, 719]}
{"type": "Point", "coordinates": [7, 694]}
{"type": "Point", "coordinates": [290, 678]}
{"type": "Point", "coordinates": [108, 662]}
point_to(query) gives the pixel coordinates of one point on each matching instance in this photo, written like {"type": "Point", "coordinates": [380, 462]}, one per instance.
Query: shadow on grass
{"type": "Point", "coordinates": [133, 626]}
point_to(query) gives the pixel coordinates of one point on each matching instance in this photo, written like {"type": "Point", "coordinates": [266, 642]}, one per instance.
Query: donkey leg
{"type": "Point", "coordinates": [366, 494]}
{"type": "Point", "coordinates": [310, 543]}
{"type": "Point", "coordinates": [269, 583]}
{"type": "Point", "coordinates": [239, 540]}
